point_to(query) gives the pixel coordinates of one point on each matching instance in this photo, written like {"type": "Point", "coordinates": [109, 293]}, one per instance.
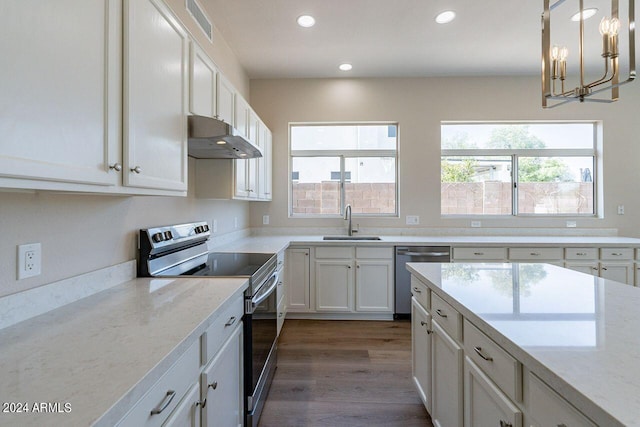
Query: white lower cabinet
{"type": "Point", "coordinates": [618, 271]}
{"type": "Point", "coordinates": [154, 408]}
{"type": "Point", "coordinates": [297, 277]}
{"type": "Point", "coordinates": [548, 408]}
{"type": "Point", "coordinates": [447, 385]}
{"type": "Point", "coordinates": [421, 352]}
{"type": "Point", "coordinates": [484, 403]}
{"type": "Point", "coordinates": [334, 285]}
{"type": "Point", "coordinates": [187, 414]}
{"type": "Point", "coordinates": [221, 385]}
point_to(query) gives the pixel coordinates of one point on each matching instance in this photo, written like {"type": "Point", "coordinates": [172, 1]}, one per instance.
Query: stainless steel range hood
{"type": "Point", "coordinates": [214, 139]}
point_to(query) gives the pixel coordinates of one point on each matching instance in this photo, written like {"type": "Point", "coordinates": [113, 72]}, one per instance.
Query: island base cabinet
{"type": "Point", "coordinates": [447, 381]}
{"type": "Point", "coordinates": [421, 352]}
{"type": "Point", "coordinates": [484, 403]}
{"type": "Point", "coordinates": [221, 385]}
{"type": "Point", "coordinates": [187, 414]}
{"type": "Point", "coordinates": [548, 408]}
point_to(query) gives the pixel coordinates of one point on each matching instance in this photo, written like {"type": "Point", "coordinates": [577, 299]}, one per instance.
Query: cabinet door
{"type": "Point", "coordinates": [222, 385]}
{"type": "Point", "coordinates": [202, 88]}
{"type": "Point", "coordinates": [484, 403]}
{"type": "Point", "coordinates": [225, 101]}
{"type": "Point", "coordinates": [447, 379]}
{"type": "Point", "coordinates": [254, 129]}
{"type": "Point", "coordinates": [637, 268]}
{"type": "Point", "coordinates": [421, 352]}
{"type": "Point", "coordinates": [156, 90]}
{"type": "Point", "coordinates": [187, 413]}
{"type": "Point", "coordinates": [267, 165]}
{"type": "Point", "coordinates": [241, 116]}
{"type": "Point", "coordinates": [252, 177]}
{"type": "Point", "coordinates": [61, 90]}
{"type": "Point", "coordinates": [620, 272]}
{"type": "Point", "coordinates": [241, 183]}
{"type": "Point", "coordinates": [548, 408]}
{"type": "Point", "coordinates": [584, 267]}
{"type": "Point", "coordinates": [334, 285]}
{"type": "Point", "coordinates": [298, 279]}
{"type": "Point", "coordinates": [374, 286]}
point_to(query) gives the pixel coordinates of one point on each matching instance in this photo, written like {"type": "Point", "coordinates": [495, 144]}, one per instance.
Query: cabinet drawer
{"type": "Point", "coordinates": [221, 328]}
{"type": "Point", "coordinates": [374, 253]}
{"type": "Point", "coordinates": [533, 254]}
{"type": "Point", "coordinates": [420, 292]}
{"type": "Point", "coordinates": [479, 254]}
{"type": "Point", "coordinates": [446, 316]}
{"type": "Point", "coordinates": [339, 252]}
{"type": "Point", "coordinates": [548, 408]}
{"type": "Point", "coordinates": [188, 411]}
{"type": "Point", "coordinates": [581, 253]}
{"type": "Point", "coordinates": [164, 395]}
{"type": "Point", "coordinates": [621, 254]}
{"type": "Point", "coordinates": [500, 366]}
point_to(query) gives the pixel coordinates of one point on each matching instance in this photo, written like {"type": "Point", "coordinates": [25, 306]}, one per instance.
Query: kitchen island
{"type": "Point", "coordinates": [562, 331]}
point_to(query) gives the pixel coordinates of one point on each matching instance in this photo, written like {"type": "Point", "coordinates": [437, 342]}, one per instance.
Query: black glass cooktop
{"type": "Point", "coordinates": [230, 264]}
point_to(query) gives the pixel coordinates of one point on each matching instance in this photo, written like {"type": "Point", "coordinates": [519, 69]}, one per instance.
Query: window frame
{"type": "Point", "coordinates": [343, 155]}
{"type": "Point", "coordinates": [594, 152]}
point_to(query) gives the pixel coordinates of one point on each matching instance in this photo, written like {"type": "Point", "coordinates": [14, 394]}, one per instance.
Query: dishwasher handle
{"type": "Point", "coordinates": [412, 253]}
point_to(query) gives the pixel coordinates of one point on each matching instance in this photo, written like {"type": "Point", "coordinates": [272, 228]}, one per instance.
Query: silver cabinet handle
{"type": "Point", "coordinates": [440, 313]}
{"type": "Point", "coordinates": [166, 400]}
{"type": "Point", "coordinates": [423, 323]}
{"type": "Point", "coordinates": [616, 254]}
{"type": "Point", "coordinates": [202, 403]}
{"type": "Point", "coordinates": [478, 350]}
{"type": "Point", "coordinates": [415, 289]}
{"type": "Point", "coordinates": [594, 268]}
{"type": "Point", "coordinates": [534, 253]}
{"type": "Point", "coordinates": [116, 167]}
{"type": "Point", "coordinates": [348, 266]}
{"type": "Point", "coordinates": [213, 385]}
{"type": "Point", "coordinates": [231, 321]}
{"type": "Point", "coordinates": [478, 253]}
{"type": "Point", "coordinates": [604, 268]}
{"type": "Point", "coordinates": [280, 314]}
{"type": "Point", "coordinates": [137, 169]}
{"type": "Point", "coordinates": [581, 254]}
{"type": "Point", "coordinates": [505, 424]}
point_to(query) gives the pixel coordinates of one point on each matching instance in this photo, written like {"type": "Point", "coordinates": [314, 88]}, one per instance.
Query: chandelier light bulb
{"type": "Point", "coordinates": [555, 53]}
{"type": "Point", "coordinates": [564, 53]}
{"type": "Point", "coordinates": [604, 26]}
{"type": "Point", "coordinates": [614, 27]}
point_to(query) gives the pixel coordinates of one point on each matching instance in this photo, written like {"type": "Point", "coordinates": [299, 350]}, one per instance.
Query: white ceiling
{"type": "Point", "coordinates": [382, 38]}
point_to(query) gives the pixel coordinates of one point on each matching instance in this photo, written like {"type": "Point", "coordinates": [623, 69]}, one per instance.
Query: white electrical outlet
{"type": "Point", "coordinates": [571, 224]}
{"type": "Point", "coordinates": [265, 219]}
{"type": "Point", "coordinates": [476, 224]}
{"type": "Point", "coordinates": [412, 220]}
{"type": "Point", "coordinates": [215, 226]}
{"type": "Point", "coordinates": [620, 209]}
{"type": "Point", "coordinates": [29, 260]}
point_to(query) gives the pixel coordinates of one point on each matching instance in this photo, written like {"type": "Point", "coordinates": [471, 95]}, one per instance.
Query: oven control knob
{"type": "Point", "coordinates": [168, 235]}
{"type": "Point", "coordinates": [158, 237]}
{"type": "Point", "coordinates": [205, 227]}
{"type": "Point", "coordinates": [197, 229]}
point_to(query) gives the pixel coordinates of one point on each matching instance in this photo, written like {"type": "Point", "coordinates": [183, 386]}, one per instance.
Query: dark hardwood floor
{"type": "Point", "coordinates": [344, 373]}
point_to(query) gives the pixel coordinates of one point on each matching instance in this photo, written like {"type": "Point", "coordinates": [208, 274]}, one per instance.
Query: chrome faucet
{"type": "Point", "coordinates": [347, 217]}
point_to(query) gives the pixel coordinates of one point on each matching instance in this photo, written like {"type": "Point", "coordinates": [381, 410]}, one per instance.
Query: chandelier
{"type": "Point", "coordinates": [559, 87]}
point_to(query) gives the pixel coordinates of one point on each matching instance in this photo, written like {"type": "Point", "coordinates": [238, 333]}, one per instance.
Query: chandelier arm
{"type": "Point", "coordinates": [603, 79]}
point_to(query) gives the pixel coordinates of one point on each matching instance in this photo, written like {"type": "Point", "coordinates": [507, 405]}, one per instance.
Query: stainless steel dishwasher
{"type": "Point", "coordinates": [405, 254]}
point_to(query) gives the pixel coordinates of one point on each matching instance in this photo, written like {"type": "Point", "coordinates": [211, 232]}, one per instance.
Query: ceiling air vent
{"type": "Point", "coordinates": [201, 18]}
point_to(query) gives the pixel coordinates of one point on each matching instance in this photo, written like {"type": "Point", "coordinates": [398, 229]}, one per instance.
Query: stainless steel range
{"type": "Point", "coordinates": [181, 250]}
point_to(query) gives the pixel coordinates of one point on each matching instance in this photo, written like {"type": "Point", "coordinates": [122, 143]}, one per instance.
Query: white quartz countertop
{"type": "Point", "coordinates": [579, 333]}
{"type": "Point", "coordinates": [274, 244]}
{"type": "Point", "coordinates": [100, 354]}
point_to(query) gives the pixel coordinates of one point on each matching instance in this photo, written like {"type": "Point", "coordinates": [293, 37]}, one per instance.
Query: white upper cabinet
{"type": "Point", "coordinates": [225, 104]}
{"type": "Point", "coordinates": [265, 167]}
{"type": "Point", "coordinates": [242, 115]}
{"type": "Point", "coordinates": [156, 63]}
{"type": "Point", "coordinates": [60, 102]}
{"type": "Point", "coordinates": [203, 79]}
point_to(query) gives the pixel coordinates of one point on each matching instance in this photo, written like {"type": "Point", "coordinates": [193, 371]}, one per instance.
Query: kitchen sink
{"type": "Point", "coordinates": [351, 238]}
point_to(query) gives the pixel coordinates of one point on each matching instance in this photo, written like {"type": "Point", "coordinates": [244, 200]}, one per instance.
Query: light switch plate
{"type": "Point", "coordinates": [571, 224]}
{"type": "Point", "coordinates": [413, 220]}
{"type": "Point", "coordinates": [476, 224]}
{"type": "Point", "coordinates": [265, 219]}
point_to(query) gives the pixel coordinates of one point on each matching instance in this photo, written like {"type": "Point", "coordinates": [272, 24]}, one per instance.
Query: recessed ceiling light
{"type": "Point", "coordinates": [345, 67]}
{"type": "Point", "coordinates": [306, 21]}
{"type": "Point", "coordinates": [445, 17]}
{"type": "Point", "coordinates": [587, 13]}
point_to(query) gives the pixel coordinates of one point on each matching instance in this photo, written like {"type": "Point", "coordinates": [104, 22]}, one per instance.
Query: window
{"type": "Point", "coordinates": [524, 169]}
{"type": "Point", "coordinates": [333, 165]}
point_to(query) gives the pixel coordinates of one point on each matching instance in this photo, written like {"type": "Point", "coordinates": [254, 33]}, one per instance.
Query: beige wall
{"type": "Point", "coordinates": [82, 233]}
{"type": "Point", "coordinates": [419, 105]}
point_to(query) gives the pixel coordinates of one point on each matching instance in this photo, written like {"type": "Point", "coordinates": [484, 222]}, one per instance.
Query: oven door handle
{"type": "Point", "coordinates": [265, 291]}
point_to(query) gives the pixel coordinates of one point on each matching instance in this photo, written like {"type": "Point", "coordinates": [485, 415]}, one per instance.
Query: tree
{"type": "Point", "coordinates": [514, 137]}
{"type": "Point", "coordinates": [462, 171]}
